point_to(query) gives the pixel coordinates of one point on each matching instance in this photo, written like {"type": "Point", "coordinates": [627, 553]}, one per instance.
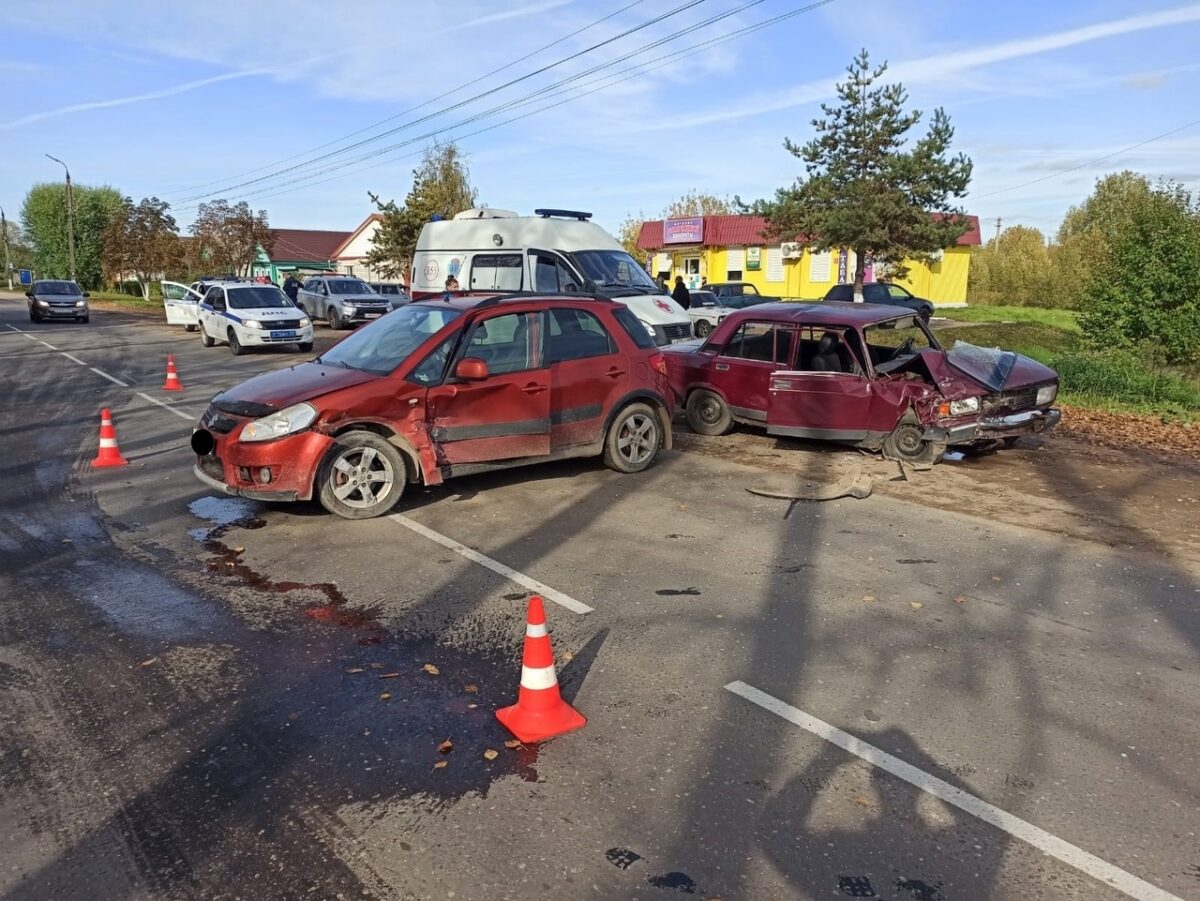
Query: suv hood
{"type": "Point", "coordinates": [359, 298]}
{"type": "Point", "coordinates": [284, 387]}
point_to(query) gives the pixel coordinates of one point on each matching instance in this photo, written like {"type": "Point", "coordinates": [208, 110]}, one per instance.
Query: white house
{"type": "Point", "coordinates": [351, 255]}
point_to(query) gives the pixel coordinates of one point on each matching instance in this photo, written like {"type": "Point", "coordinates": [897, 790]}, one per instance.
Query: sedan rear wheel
{"type": "Point", "coordinates": [362, 476]}
{"type": "Point", "coordinates": [633, 439]}
{"type": "Point", "coordinates": [703, 328]}
{"type": "Point", "coordinates": [707, 413]}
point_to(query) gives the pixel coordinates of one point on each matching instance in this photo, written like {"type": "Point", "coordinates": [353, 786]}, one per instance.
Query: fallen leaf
{"type": "Point", "coordinates": [916, 605]}
{"type": "Point", "coordinates": [355, 669]}
{"type": "Point", "coordinates": [512, 744]}
{"type": "Point", "coordinates": [388, 675]}
{"type": "Point", "coordinates": [995, 578]}
{"type": "Point", "coordinates": [869, 598]}
{"type": "Point", "coordinates": [446, 747]}
{"type": "Point", "coordinates": [441, 764]}
{"type": "Point", "coordinates": [489, 754]}
{"type": "Point", "coordinates": [960, 599]}
{"type": "Point", "coordinates": [431, 669]}
{"type": "Point", "coordinates": [862, 802]}
{"type": "Point", "coordinates": [385, 696]}
{"type": "Point", "coordinates": [376, 666]}
{"type": "Point", "coordinates": [471, 689]}
{"type": "Point", "coordinates": [150, 662]}
{"type": "Point", "coordinates": [568, 656]}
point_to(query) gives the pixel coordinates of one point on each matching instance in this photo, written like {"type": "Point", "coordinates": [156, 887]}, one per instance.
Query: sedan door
{"type": "Point", "coordinates": [180, 303]}
{"type": "Point", "coordinates": [741, 373]}
{"type": "Point", "coordinates": [826, 394]}
{"type": "Point", "coordinates": [504, 415]}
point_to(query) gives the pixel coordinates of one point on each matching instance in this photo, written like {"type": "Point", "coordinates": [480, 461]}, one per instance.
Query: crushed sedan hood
{"type": "Point", "coordinates": [996, 369]}
{"type": "Point", "coordinates": [284, 387]}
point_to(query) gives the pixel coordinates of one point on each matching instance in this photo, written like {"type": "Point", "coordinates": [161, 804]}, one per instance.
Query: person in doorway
{"type": "Point", "coordinates": [681, 295]}
{"type": "Point", "coordinates": [291, 287]}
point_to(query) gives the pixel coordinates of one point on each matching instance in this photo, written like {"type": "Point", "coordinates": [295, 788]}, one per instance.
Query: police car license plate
{"type": "Point", "coordinates": [372, 315]}
{"type": "Point", "coordinates": [679, 340]}
{"type": "Point", "coordinates": [288, 334]}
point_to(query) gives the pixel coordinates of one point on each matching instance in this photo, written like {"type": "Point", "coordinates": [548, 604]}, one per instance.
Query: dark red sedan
{"type": "Point", "coordinates": [870, 375]}
{"type": "Point", "coordinates": [438, 389]}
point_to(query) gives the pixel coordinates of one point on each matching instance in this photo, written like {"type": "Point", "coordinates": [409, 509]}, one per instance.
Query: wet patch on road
{"type": "Point", "coordinates": [678, 592]}
{"type": "Point", "coordinates": [679, 882]}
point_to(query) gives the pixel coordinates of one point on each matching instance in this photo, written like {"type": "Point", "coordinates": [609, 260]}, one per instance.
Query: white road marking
{"type": "Point", "coordinates": [72, 358]}
{"type": "Point", "coordinates": [48, 344]}
{"type": "Point", "coordinates": [1045, 842]}
{"type": "Point", "coordinates": [550, 594]}
{"type": "Point", "coordinates": [154, 400]}
{"type": "Point", "coordinates": [113, 379]}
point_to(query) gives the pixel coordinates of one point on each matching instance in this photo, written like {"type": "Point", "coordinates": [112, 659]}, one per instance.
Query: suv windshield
{"type": "Point", "coordinates": [615, 272]}
{"type": "Point", "coordinates": [70, 289]}
{"type": "Point", "coordinates": [258, 297]}
{"type": "Point", "coordinates": [383, 345]}
{"type": "Point", "coordinates": [348, 286]}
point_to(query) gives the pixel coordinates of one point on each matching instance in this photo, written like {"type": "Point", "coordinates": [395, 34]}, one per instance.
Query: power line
{"type": "Point", "coordinates": [306, 181]}
{"type": "Point", "coordinates": [431, 100]}
{"type": "Point", "coordinates": [683, 7]}
{"type": "Point", "coordinates": [1085, 165]}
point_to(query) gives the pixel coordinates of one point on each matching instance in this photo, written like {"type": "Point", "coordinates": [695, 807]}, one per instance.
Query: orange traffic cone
{"type": "Point", "coordinates": [109, 454]}
{"type": "Point", "coordinates": [172, 383]}
{"type": "Point", "coordinates": [540, 711]}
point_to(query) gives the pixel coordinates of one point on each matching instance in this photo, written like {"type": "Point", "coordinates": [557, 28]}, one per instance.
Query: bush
{"type": "Point", "coordinates": [1126, 378]}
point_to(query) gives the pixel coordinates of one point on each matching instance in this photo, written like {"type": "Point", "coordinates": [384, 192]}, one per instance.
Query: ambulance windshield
{"type": "Point", "coordinates": [614, 272]}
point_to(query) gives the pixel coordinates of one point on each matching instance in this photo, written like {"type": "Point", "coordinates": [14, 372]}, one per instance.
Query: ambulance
{"type": "Point", "coordinates": [552, 251]}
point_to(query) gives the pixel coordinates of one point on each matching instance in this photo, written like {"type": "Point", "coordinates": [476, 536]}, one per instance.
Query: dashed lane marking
{"type": "Point", "coordinates": [180, 413]}
{"type": "Point", "coordinates": [47, 344]}
{"type": "Point", "coordinates": [1045, 842]}
{"type": "Point", "coordinates": [550, 594]}
{"type": "Point", "coordinates": [72, 358]}
{"type": "Point", "coordinates": [111, 378]}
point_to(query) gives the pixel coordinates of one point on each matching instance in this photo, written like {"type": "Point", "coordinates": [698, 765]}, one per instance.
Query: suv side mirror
{"type": "Point", "coordinates": [471, 369]}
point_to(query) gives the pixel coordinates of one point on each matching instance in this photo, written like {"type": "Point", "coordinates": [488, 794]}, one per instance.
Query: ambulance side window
{"type": "Point", "coordinates": [551, 275]}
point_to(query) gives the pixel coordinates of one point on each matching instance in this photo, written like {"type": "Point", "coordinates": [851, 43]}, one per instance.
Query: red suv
{"type": "Point", "coordinates": [438, 389]}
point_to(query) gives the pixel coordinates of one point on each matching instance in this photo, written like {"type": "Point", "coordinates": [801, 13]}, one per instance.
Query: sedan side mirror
{"type": "Point", "coordinates": [471, 369]}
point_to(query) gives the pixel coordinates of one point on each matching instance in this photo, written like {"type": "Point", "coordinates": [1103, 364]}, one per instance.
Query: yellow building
{"type": "Point", "coordinates": [731, 248]}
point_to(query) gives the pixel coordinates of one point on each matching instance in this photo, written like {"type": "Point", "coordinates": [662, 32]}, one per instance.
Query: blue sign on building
{"type": "Point", "coordinates": [25, 276]}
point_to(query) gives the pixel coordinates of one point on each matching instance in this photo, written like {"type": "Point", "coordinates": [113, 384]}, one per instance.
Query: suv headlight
{"type": "Point", "coordinates": [1046, 394]}
{"type": "Point", "coordinates": [348, 307]}
{"type": "Point", "coordinates": [81, 303]}
{"type": "Point", "coordinates": [286, 422]}
{"type": "Point", "coordinates": [966, 405]}
{"type": "Point", "coordinates": [252, 323]}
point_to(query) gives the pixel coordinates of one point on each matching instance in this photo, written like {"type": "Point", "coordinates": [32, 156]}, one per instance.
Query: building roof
{"type": "Point", "coordinates": [735, 231]}
{"type": "Point", "coordinates": [337, 251]}
{"type": "Point", "coordinates": [305, 244]}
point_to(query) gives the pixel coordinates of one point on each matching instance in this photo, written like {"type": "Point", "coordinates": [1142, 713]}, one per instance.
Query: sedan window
{"type": "Point", "coordinates": [766, 342]}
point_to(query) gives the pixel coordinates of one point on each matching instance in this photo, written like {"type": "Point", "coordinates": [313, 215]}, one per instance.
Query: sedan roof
{"type": "Point", "coordinates": [827, 313]}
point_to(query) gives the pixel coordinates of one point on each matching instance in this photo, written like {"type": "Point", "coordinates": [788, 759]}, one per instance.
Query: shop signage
{"type": "Point", "coordinates": [753, 258]}
{"type": "Point", "coordinates": [684, 231]}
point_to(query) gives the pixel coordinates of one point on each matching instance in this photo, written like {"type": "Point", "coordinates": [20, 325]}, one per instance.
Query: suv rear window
{"type": "Point", "coordinates": [634, 328]}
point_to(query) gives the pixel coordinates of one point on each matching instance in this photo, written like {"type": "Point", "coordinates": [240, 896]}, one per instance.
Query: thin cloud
{"type": "Point", "coordinates": [531, 10]}
{"type": "Point", "coordinates": [935, 68]}
{"type": "Point", "coordinates": [122, 101]}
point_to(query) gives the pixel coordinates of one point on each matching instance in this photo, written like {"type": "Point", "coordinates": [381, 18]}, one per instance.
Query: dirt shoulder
{"type": "Point", "coordinates": [1067, 484]}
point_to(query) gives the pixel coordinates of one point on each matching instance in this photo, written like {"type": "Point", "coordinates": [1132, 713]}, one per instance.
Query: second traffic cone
{"type": "Point", "coordinates": [172, 383]}
{"type": "Point", "coordinates": [540, 711]}
{"type": "Point", "coordinates": [109, 454]}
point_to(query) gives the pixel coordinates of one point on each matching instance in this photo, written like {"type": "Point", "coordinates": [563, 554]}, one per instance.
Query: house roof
{"type": "Point", "coordinates": [337, 251]}
{"type": "Point", "coordinates": [733, 231]}
{"type": "Point", "coordinates": [305, 244]}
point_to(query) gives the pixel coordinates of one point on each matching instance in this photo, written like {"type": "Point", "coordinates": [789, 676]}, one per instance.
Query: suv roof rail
{"type": "Point", "coordinates": [565, 214]}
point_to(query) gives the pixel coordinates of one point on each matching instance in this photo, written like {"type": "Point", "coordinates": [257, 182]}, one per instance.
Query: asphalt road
{"type": "Point", "coordinates": [205, 698]}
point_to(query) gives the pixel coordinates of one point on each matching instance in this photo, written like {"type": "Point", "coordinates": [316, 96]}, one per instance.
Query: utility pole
{"type": "Point", "coordinates": [4, 232]}
{"type": "Point", "coordinates": [998, 221]}
{"type": "Point", "coordinates": [70, 215]}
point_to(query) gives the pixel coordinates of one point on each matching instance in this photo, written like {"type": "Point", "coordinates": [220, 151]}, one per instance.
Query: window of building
{"type": "Point", "coordinates": [733, 275]}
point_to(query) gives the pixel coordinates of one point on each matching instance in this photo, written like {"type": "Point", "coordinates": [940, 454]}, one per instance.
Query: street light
{"type": "Point", "coordinates": [70, 215]}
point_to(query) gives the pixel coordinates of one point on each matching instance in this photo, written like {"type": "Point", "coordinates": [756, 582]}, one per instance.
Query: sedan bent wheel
{"type": "Point", "coordinates": [362, 476]}
{"type": "Point", "coordinates": [907, 443]}
{"type": "Point", "coordinates": [707, 413]}
{"type": "Point", "coordinates": [633, 439]}
{"type": "Point", "coordinates": [703, 327]}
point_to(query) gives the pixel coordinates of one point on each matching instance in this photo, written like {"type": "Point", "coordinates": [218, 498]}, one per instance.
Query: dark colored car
{"type": "Point", "coordinates": [868, 375]}
{"type": "Point", "coordinates": [442, 388]}
{"type": "Point", "coordinates": [57, 299]}
{"type": "Point", "coordinates": [886, 294]}
{"type": "Point", "coordinates": [739, 290]}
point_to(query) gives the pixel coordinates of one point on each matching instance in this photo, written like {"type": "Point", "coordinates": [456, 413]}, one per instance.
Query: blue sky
{"type": "Point", "coordinates": [184, 99]}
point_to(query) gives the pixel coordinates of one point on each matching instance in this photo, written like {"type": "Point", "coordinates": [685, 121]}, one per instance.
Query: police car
{"type": "Point", "coordinates": [245, 315]}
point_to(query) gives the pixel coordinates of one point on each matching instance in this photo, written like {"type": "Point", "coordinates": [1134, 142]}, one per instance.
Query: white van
{"type": "Point", "coordinates": [553, 251]}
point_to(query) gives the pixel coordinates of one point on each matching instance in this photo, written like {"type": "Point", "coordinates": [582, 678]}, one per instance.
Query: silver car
{"type": "Point", "coordinates": [57, 299]}
{"type": "Point", "coordinates": [341, 300]}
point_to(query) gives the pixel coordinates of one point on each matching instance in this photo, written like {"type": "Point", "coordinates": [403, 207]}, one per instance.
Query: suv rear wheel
{"type": "Point", "coordinates": [362, 476]}
{"type": "Point", "coordinates": [633, 439]}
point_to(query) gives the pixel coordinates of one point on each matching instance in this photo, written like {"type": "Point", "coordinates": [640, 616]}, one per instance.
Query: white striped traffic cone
{"type": "Point", "coordinates": [172, 383]}
{"type": "Point", "coordinates": [109, 454]}
{"type": "Point", "coordinates": [540, 711]}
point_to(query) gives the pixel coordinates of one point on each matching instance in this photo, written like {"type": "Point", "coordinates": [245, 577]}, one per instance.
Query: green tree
{"type": "Point", "coordinates": [696, 203]}
{"type": "Point", "coordinates": [227, 236]}
{"type": "Point", "coordinates": [1011, 269]}
{"type": "Point", "coordinates": [627, 234]}
{"type": "Point", "coordinates": [867, 186]}
{"type": "Point", "coordinates": [143, 240]}
{"type": "Point", "coordinates": [441, 187]}
{"type": "Point", "coordinates": [44, 219]}
{"type": "Point", "coordinates": [20, 254]}
{"type": "Point", "coordinates": [1146, 288]}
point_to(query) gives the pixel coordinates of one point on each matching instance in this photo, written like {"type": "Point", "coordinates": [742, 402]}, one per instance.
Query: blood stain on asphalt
{"type": "Point", "coordinates": [676, 592]}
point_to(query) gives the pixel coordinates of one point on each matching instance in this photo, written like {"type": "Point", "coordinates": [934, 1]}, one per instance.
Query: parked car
{"type": "Point", "coordinates": [438, 389]}
{"type": "Point", "coordinates": [884, 293]}
{"type": "Point", "coordinates": [245, 315]}
{"type": "Point", "coordinates": [738, 289]}
{"type": "Point", "coordinates": [708, 309]}
{"type": "Point", "coordinates": [51, 298]}
{"type": "Point", "coordinates": [393, 291]}
{"type": "Point", "coordinates": [864, 374]}
{"type": "Point", "coordinates": [181, 303]}
{"type": "Point", "coordinates": [341, 300]}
